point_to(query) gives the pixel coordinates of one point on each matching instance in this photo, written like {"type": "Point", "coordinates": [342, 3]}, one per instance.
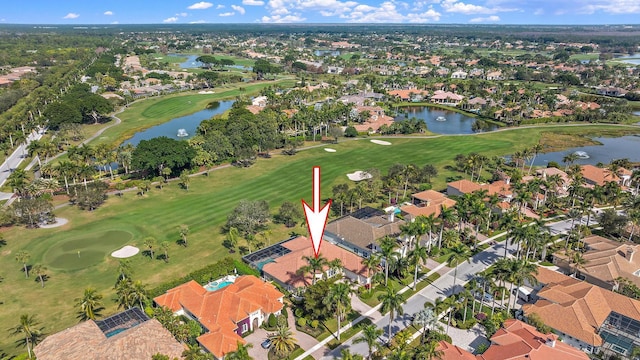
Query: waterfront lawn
{"type": "Point", "coordinates": [204, 208]}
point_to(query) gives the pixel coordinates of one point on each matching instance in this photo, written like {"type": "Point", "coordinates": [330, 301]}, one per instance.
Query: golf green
{"type": "Point", "coordinates": [81, 252]}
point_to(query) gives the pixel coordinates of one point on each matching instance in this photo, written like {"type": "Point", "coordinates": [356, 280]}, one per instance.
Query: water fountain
{"type": "Point", "coordinates": [182, 133]}
{"type": "Point", "coordinates": [581, 155]}
{"type": "Point", "coordinates": [441, 118]}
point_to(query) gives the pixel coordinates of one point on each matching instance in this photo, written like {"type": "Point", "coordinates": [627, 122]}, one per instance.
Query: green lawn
{"type": "Point", "coordinates": [204, 209]}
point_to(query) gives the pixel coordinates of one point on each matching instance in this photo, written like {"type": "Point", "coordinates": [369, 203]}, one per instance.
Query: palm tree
{"type": "Point", "coordinates": [184, 231]}
{"type": "Point", "coordinates": [387, 249]}
{"type": "Point", "coordinates": [427, 319]}
{"type": "Point", "coordinates": [232, 236]}
{"type": "Point", "coordinates": [282, 341]}
{"type": "Point", "coordinates": [447, 216]}
{"type": "Point", "coordinates": [345, 354]}
{"type": "Point", "coordinates": [521, 271]}
{"type": "Point", "coordinates": [371, 264]}
{"type": "Point", "coordinates": [339, 298]}
{"type": "Point", "coordinates": [124, 269]}
{"type": "Point", "coordinates": [124, 294]}
{"type": "Point", "coordinates": [428, 351]}
{"type": "Point", "coordinates": [27, 328]}
{"type": "Point", "coordinates": [418, 256]}
{"type": "Point", "coordinates": [165, 248]}
{"type": "Point", "coordinates": [90, 305]}
{"type": "Point", "coordinates": [578, 261]}
{"type": "Point", "coordinates": [150, 243]}
{"type": "Point", "coordinates": [459, 253]}
{"type": "Point", "coordinates": [22, 257]}
{"type": "Point", "coordinates": [138, 294]}
{"type": "Point", "coordinates": [40, 271]}
{"type": "Point", "coordinates": [370, 335]}
{"type": "Point", "coordinates": [315, 264]}
{"type": "Point", "coordinates": [392, 302]}
{"type": "Point", "coordinates": [241, 353]}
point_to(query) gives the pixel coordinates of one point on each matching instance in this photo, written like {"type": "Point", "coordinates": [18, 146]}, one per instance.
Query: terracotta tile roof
{"type": "Point", "coordinates": [464, 186]}
{"type": "Point", "coordinates": [219, 311]}
{"type": "Point", "coordinates": [518, 340]}
{"type": "Point", "coordinates": [432, 204]}
{"type": "Point", "coordinates": [607, 260]}
{"type": "Point", "coordinates": [598, 175]}
{"type": "Point", "coordinates": [86, 341]}
{"type": "Point", "coordinates": [452, 352]}
{"type": "Point", "coordinates": [499, 187]}
{"type": "Point", "coordinates": [285, 268]}
{"type": "Point", "coordinates": [406, 93]}
{"type": "Point", "coordinates": [578, 308]}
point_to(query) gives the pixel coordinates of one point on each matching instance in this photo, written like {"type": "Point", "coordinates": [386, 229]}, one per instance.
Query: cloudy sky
{"type": "Point", "coordinates": [321, 11]}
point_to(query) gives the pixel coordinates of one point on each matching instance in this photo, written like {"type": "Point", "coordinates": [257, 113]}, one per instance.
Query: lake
{"type": "Point", "coordinates": [189, 123]}
{"type": "Point", "coordinates": [611, 149]}
{"type": "Point", "coordinates": [630, 59]}
{"type": "Point", "coordinates": [333, 53]}
{"type": "Point", "coordinates": [190, 63]}
{"type": "Point", "coordinates": [455, 123]}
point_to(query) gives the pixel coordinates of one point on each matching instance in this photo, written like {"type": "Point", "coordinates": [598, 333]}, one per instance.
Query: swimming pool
{"type": "Point", "coordinates": [220, 283]}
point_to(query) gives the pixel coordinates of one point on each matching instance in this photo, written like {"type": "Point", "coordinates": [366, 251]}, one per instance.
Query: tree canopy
{"type": "Point", "coordinates": [155, 154]}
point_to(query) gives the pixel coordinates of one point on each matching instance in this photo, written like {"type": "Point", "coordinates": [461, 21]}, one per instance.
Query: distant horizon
{"type": "Point", "coordinates": [453, 12]}
{"type": "Point", "coordinates": [301, 24]}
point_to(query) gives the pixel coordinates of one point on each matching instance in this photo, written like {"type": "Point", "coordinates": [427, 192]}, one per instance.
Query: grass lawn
{"type": "Point", "coordinates": [157, 110]}
{"type": "Point", "coordinates": [588, 56]}
{"type": "Point", "coordinates": [204, 209]}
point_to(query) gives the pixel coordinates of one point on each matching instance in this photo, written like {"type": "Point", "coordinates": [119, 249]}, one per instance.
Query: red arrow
{"type": "Point", "coordinates": [316, 217]}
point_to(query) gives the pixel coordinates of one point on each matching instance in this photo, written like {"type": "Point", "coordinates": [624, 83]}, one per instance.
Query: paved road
{"type": "Point", "coordinates": [442, 287]}
{"type": "Point", "coordinates": [14, 160]}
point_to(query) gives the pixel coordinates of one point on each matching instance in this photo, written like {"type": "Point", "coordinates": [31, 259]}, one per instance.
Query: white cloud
{"type": "Point", "coordinates": [456, 6]}
{"type": "Point", "coordinates": [539, 11]}
{"type": "Point", "coordinates": [610, 6]}
{"type": "Point", "coordinates": [220, 6]}
{"type": "Point", "coordinates": [115, 22]}
{"type": "Point", "coordinates": [71, 16]}
{"type": "Point", "coordinates": [200, 5]}
{"type": "Point", "coordinates": [198, 22]}
{"type": "Point", "coordinates": [386, 13]}
{"type": "Point", "coordinates": [427, 16]}
{"type": "Point", "coordinates": [364, 8]}
{"type": "Point", "coordinates": [231, 13]}
{"type": "Point", "coordinates": [108, 13]}
{"type": "Point", "coordinates": [170, 20]}
{"type": "Point", "coordinates": [239, 9]}
{"type": "Point", "coordinates": [183, 14]}
{"type": "Point", "coordinates": [492, 18]}
{"type": "Point", "coordinates": [282, 19]}
{"type": "Point", "coordinates": [253, 2]}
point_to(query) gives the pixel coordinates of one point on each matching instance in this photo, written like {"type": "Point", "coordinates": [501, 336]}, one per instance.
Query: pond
{"type": "Point", "coordinates": [189, 123]}
{"type": "Point", "coordinates": [442, 121]}
{"type": "Point", "coordinates": [630, 59]}
{"type": "Point", "coordinates": [611, 149]}
{"type": "Point", "coordinates": [333, 53]}
{"type": "Point", "coordinates": [190, 63]}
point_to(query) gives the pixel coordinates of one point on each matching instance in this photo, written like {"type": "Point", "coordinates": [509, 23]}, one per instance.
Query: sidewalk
{"type": "Point", "coordinates": [371, 314]}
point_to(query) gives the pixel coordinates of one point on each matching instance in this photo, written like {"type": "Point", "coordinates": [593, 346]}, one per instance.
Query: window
{"type": "Point", "coordinates": [245, 328]}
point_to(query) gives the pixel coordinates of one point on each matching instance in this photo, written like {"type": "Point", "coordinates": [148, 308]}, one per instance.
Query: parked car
{"type": "Point", "coordinates": [266, 344]}
{"type": "Point", "coordinates": [484, 297]}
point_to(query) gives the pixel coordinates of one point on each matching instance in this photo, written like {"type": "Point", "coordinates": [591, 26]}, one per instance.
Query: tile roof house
{"type": "Point", "coordinates": [447, 98]}
{"type": "Point", "coordinates": [518, 340]}
{"type": "Point", "coordinates": [426, 203]}
{"type": "Point", "coordinates": [376, 119]}
{"type": "Point", "coordinates": [606, 261]}
{"type": "Point", "coordinates": [599, 176]}
{"type": "Point", "coordinates": [359, 231]}
{"type": "Point", "coordinates": [452, 352]}
{"type": "Point", "coordinates": [284, 269]}
{"type": "Point", "coordinates": [227, 313]}
{"type": "Point", "coordinates": [587, 317]}
{"type": "Point", "coordinates": [126, 335]}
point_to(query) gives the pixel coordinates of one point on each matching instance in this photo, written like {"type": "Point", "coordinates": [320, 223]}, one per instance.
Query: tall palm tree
{"type": "Point", "coordinates": [89, 305]}
{"type": "Point", "coordinates": [165, 248]}
{"type": "Point", "coordinates": [447, 216]}
{"type": "Point", "coordinates": [392, 302]}
{"type": "Point", "coordinates": [124, 269]}
{"type": "Point", "coordinates": [339, 299]}
{"type": "Point", "coordinates": [387, 248]}
{"type": "Point", "coordinates": [370, 335]}
{"type": "Point", "coordinates": [314, 264]}
{"type": "Point", "coordinates": [184, 231]}
{"type": "Point", "coordinates": [428, 351]}
{"type": "Point", "coordinates": [345, 354]}
{"type": "Point", "coordinates": [282, 341]}
{"type": "Point", "coordinates": [418, 256]}
{"type": "Point", "coordinates": [150, 243]}
{"type": "Point", "coordinates": [40, 272]}
{"type": "Point", "coordinates": [22, 257]}
{"type": "Point", "coordinates": [138, 293]}
{"type": "Point", "coordinates": [241, 353]}
{"type": "Point", "coordinates": [124, 294]}
{"type": "Point", "coordinates": [521, 271]}
{"type": "Point", "coordinates": [27, 328]}
{"type": "Point", "coordinates": [459, 253]}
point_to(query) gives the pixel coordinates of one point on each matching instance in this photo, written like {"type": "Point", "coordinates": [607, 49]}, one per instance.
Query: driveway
{"type": "Point", "coordinates": [258, 336]}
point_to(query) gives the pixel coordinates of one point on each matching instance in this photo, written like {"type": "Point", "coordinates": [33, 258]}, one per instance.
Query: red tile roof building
{"type": "Point", "coordinates": [226, 313]}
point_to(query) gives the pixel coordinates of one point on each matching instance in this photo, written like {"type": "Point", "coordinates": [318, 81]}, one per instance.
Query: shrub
{"type": "Point", "coordinates": [285, 313]}
{"type": "Point", "coordinates": [350, 131]}
{"type": "Point", "coordinates": [272, 321]}
{"type": "Point", "coordinates": [298, 312]}
{"type": "Point", "coordinates": [302, 322]}
{"type": "Point", "coordinates": [481, 316]}
{"type": "Point", "coordinates": [202, 276]}
{"type": "Point", "coordinates": [314, 324]}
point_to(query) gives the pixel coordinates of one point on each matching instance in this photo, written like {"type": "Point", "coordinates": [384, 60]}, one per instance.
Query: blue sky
{"type": "Point", "coordinates": [321, 11]}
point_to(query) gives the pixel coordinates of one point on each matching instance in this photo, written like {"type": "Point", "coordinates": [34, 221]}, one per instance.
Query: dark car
{"type": "Point", "coordinates": [266, 344]}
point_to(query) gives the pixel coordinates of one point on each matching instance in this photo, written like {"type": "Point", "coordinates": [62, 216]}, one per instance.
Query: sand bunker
{"type": "Point", "coordinates": [329, 150]}
{"type": "Point", "coordinates": [205, 92]}
{"type": "Point", "coordinates": [380, 142]}
{"type": "Point", "coordinates": [125, 252]}
{"type": "Point", "coordinates": [358, 176]}
{"type": "Point", "coordinates": [59, 222]}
